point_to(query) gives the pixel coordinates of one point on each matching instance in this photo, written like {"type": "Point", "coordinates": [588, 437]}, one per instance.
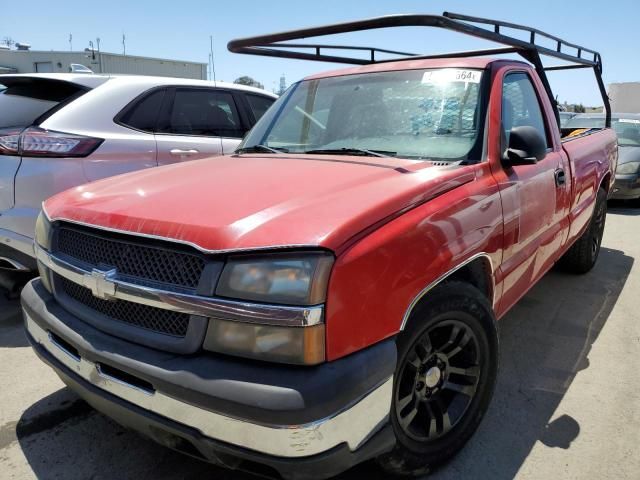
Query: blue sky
{"type": "Point", "coordinates": [181, 30]}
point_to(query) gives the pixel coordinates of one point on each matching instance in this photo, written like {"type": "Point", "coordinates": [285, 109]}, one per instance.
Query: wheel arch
{"type": "Point", "coordinates": [605, 183]}
{"type": "Point", "coordinates": [477, 270]}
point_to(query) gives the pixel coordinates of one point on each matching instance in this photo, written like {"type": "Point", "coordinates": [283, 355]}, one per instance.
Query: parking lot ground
{"type": "Point", "coordinates": [567, 403]}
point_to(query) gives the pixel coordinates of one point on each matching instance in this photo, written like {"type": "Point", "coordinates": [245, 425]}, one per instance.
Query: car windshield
{"type": "Point", "coordinates": [586, 121]}
{"type": "Point", "coordinates": [627, 129]}
{"type": "Point", "coordinates": [565, 117]}
{"type": "Point", "coordinates": [432, 114]}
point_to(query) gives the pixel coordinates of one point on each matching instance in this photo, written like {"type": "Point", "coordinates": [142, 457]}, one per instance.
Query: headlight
{"type": "Point", "coordinates": [628, 168]}
{"type": "Point", "coordinates": [289, 279]}
{"type": "Point", "coordinates": [43, 231]}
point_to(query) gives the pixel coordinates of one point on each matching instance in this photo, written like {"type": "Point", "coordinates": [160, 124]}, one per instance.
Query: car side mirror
{"type": "Point", "coordinates": [526, 146]}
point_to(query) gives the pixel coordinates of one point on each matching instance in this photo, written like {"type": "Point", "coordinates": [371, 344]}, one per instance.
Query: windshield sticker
{"type": "Point", "coordinates": [447, 75]}
{"type": "Point", "coordinates": [629, 120]}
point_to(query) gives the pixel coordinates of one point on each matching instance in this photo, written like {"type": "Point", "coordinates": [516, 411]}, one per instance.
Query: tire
{"type": "Point", "coordinates": [583, 254]}
{"type": "Point", "coordinates": [12, 281]}
{"type": "Point", "coordinates": [446, 373]}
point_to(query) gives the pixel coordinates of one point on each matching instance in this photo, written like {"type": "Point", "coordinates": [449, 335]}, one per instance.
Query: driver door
{"type": "Point", "coordinates": [534, 204]}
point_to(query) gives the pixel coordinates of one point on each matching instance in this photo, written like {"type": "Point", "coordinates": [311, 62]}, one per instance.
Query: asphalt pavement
{"type": "Point", "coordinates": [567, 403]}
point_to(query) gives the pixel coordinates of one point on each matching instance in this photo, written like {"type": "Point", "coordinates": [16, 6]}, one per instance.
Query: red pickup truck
{"type": "Point", "coordinates": [329, 293]}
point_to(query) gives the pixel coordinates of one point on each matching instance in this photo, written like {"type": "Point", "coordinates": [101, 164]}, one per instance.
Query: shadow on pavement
{"type": "Point", "coordinates": [622, 207]}
{"type": "Point", "coordinates": [11, 331]}
{"type": "Point", "coordinates": [545, 341]}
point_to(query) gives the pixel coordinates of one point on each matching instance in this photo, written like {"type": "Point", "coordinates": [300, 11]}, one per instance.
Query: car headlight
{"type": "Point", "coordinates": [288, 279]}
{"type": "Point", "coordinates": [294, 280]}
{"type": "Point", "coordinates": [628, 168]}
{"type": "Point", "coordinates": [43, 231]}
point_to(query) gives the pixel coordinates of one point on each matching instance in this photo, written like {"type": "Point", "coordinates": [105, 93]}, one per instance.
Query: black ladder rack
{"type": "Point", "coordinates": [578, 57]}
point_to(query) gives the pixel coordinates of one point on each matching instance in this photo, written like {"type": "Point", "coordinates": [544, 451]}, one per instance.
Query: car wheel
{"type": "Point", "coordinates": [444, 380]}
{"type": "Point", "coordinates": [583, 254]}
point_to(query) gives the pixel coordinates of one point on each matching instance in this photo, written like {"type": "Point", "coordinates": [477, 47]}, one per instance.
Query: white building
{"type": "Point", "coordinates": [31, 61]}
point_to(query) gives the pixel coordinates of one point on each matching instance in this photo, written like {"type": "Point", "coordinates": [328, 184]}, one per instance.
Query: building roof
{"type": "Point", "coordinates": [84, 52]}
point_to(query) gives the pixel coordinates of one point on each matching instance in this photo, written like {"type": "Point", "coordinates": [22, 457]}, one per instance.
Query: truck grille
{"type": "Point", "coordinates": [143, 316]}
{"type": "Point", "coordinates": [158, 264]}
{"type": "Point", "coordinates": [139, 262]}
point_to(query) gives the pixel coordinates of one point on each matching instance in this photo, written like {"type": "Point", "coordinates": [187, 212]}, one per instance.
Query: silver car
{"type": "Point", "coordinates": [59, 131]}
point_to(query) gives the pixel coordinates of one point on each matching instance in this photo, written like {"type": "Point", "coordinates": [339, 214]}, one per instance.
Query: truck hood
{"type": "Point", "coordinates": [256, 202]}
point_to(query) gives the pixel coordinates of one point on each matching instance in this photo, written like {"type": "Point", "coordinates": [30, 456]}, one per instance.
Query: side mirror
{"type": "Point", "coordinates": [526, 146]}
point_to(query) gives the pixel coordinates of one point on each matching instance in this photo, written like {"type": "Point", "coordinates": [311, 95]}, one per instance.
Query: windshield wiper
{"type": "Point", "coordinates": [261, 148]}
{"type": "Point", "coordinates": [352, 151]}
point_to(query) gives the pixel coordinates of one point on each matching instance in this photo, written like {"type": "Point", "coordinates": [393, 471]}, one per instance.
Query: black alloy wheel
{"type": "Point", "coordinates": [445, 377]}
{"type": "Point", "coordinates": [583, 254]}
{"type": "Point", "coordinates": [438, 380]}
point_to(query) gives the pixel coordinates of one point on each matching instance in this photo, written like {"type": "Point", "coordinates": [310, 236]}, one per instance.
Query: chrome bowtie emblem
{"type": "Point", "coordinates": [101, 283]}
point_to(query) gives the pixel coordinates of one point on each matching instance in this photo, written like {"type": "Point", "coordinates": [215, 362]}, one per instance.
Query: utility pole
{"type": "Point", "coordinates": [213, 65]}
{"type": "Point", "coordinates": [71, 42]}
{"type": "Point", "coordinates": [99, 54]}
{"type": "Point", "coordinates": [124, 45]}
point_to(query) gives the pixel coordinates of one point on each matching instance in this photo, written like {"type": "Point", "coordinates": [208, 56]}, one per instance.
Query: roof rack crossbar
{"type": "Point", "coordinates": [533, 32]}
{"type": "Point", "coordinates": [564, 67]}
{"type": "Point", "coordinates": [463, 54]}
{"type": "Point", "coordinates": [273, 45]}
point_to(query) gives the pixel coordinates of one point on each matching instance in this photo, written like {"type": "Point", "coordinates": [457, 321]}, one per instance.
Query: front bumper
{"type": "Point", "coordinates": [626, 187]}
{"type": "Point", "coordinates": [228, 411]}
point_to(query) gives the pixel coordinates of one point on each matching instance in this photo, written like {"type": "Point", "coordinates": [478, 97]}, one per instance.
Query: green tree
{"type": "Point", "coordinates": [580, 108]}
{"type": "Point", "coordinates": [250, 82]}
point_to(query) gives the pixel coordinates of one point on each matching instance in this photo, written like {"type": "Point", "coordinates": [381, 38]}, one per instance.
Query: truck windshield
{"type": "Point", "coordinates": [430, 114]}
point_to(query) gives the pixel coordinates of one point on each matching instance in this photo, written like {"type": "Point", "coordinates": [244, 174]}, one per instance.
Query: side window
{"type": "Point", "coordinates": [259, 104]}
{"type": "Point", "coordinates": [204, 112]}
{"type": "Point", "coordinates": [520, 105]}
{"type": "Point", "coordinates": [143, 115]}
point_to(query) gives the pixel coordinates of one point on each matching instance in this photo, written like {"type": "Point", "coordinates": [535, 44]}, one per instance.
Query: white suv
{"type": "Point", "coordinates": [59, 131]}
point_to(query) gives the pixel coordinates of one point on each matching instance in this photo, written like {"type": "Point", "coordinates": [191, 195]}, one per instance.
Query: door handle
{"type": "Point", "coordinates": [183, 153]}
{"type": "Point", "coordinates": [561, 177]}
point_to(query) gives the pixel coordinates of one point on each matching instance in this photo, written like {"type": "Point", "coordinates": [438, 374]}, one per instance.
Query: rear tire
{"type": "Point", "coordinates": [583, 254]}
{"type": "Point", "coordinates": [444, 380]}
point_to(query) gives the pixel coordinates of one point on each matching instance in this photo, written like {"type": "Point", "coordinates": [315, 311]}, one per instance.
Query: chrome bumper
{"type": "Point", "coordinates": [352, 426]}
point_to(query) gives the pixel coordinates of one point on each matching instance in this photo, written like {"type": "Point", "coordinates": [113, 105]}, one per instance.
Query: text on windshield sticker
{"type": "Point", "coordinates": [451, 75]}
